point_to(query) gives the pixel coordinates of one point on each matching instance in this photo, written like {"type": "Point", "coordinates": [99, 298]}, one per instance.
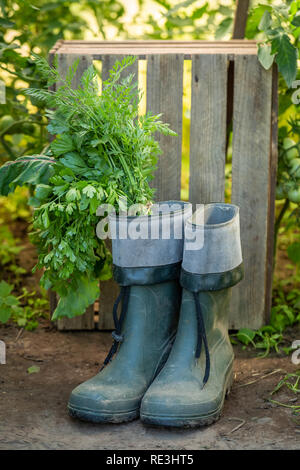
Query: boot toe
{"type": "Point", "coordinates": [102, 402]}
{"type": "Point", "coordinates": [182, 404]}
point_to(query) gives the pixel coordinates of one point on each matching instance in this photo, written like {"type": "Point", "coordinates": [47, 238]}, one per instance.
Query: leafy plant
{"type": "Point", "coordinates": [9, 304]}
{"type": "Point", "coordinates": [33, 308]}
{"type": "Point", "coordinates": [266, 338]}
{"type": "Point", "coordinates": [35, 26]}
{"type": "Point", "coordinates": [188, 20]}
{"type": "Point", "coordinates": [285, 312]}
{"type": "Point", "coordinates": [280, 23]}
{"type": "Point", "coordinates": [24, 310]}
{"type": "Point", "coordinates": [291, 381]}
{"type": "Point", "coordinates": [103, 152]}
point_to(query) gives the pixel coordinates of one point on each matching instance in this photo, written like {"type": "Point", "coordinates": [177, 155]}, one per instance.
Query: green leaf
{"type": "Point", "coordinates": [5, 289]}
{"type": "Point", "coordinates": [5, 23]}
{"type": "Point", "coordinates": [199, 12]}
{"type": "Point", "coordinates": [264, 55]}
{"type": "Point", "coordinates": [76, 301]}
{"type": "Point", "coordinates": [57, 126]}
{"type": "Point", "coordinates": [296, 20]}
{"type": "Point", "coordinates": [5, 313]}
{"type": "Point", "coordinates": [293, 252]}
{"type": "Point", "coordinates": [72, 195]}
{"type": "Point", "coordinates": [70, 209]}
{"type": "Point", "coordinates": [62, 144]}
{"type": "Point", "coordinates": [89, 190]}
{"type": "Point", "coordinates": [265, 21]}
{"type": "Point", "coordinates": [45, 219]}
{"type": "Point", "coordinates": [33, 369]}
{"type": "Point", "coordinates": [25, 170]}
{"type": "Point", "coordinates": [11, 300]}
{"type": "Point", "coordinates": [246, 336]}
{"type": "Point", "coordinates": [286, 57]}
{"type": "Point", "coordinates": [74, 162]}
{"type": "Point", "coordinates": [42, 191]}
{"type": "Point", "coordinates": [223, 28]}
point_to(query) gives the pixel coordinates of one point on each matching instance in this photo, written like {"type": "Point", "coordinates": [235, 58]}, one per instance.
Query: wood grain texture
{"type": "Point", "coordinates": [99, 49]}
{"type": "Point", "coordinates": [208, 128]}
{"type": "Point", "coordinates": [164, 95]}
{"type": "Point", "coordinates": [251, 186]}
{"type": "Point", "coordinates": [85, 321]}
{"type": "Point", "coordinates": [109, 291]}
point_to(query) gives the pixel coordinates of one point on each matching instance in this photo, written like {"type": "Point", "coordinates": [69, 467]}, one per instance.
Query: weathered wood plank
{"type": "Point", "coordinates": [83, 322]}
{"type": "Point", "coordinates": [208, 128]}
{"type": "Point", "coordinates": [86, 321]}
{"type": "Point", "coordinates": [98, 49]}
{"type": "Point", "coordinates": [251, 186]}
{"type": "Point", "coordinates": [109, 291]}
{"type": "Point", "coordinates": [164, 95]}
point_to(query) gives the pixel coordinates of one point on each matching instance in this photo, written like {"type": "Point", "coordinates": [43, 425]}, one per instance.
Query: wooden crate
{"type": "Point", "coordinates": [251, 94]}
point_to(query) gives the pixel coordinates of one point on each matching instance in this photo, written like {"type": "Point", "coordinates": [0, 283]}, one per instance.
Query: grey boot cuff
{"type": "Point", "coordinates": [151, 240]}
{"type": "Point", "coordinates": [212, 240]}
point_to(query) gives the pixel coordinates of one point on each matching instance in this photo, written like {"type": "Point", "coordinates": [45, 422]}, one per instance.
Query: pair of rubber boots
{"type": "Point", "coordinates": [168, 372]}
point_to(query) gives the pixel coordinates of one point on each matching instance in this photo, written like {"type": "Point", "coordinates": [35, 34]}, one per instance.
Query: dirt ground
{"type": "Point", "coordinates": [33, 406]}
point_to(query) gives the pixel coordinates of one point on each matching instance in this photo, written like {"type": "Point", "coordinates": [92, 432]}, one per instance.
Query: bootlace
{"type": "Point", "coordinates": [201, 338]}
{"type": "Point", "coordinates": [117, 333]}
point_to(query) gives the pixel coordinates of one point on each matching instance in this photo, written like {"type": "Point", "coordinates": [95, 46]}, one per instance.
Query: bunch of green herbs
{"type": "Point", "coordinates": [103, 152]}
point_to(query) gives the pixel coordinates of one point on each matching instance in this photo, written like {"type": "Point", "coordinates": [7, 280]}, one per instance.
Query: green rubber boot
{"type": "Point", "coordinates": [148, 272]}
{"type": "Point", "coordinates": [191, 387]}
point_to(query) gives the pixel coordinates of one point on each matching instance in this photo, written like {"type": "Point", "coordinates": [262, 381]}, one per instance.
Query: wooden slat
{"type": "Point", "coordinates": [109, 291]}
{"type": "Point", "coordinates": [164, 95]}
{"type": "Point", "coordinates": [160, 43]}
{"type": "Point", "coordinates": [83, 322]}
{"type": "Point", "coordinates": [86, 321]}
{"type": "Point", "coordinates": [251, 186]}
{"type": "Point", "coordinates": [156, 46]}
{"type": "Point", "coordinates": [143, 54]}
{"type": "Point", "coordinates": [99, 49]}
{"type": "Point", "coordinates": [208, 129]}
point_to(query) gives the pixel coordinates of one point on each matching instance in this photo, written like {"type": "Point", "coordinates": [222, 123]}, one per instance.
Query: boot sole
{"type": "Point", "coordinates": [190, 421]}
{"type": "Point", "coordinates": [92, 417]}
